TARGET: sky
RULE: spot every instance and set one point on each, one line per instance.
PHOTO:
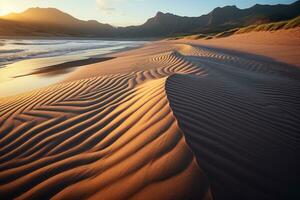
(128, 12)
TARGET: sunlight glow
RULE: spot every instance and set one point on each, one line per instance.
(10, 6)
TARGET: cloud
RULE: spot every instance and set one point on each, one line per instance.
(110, 6)
(105, 6)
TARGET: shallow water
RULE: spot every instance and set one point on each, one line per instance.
(21, 57)
(12, 51)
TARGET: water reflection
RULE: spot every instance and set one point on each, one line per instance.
(29, 74)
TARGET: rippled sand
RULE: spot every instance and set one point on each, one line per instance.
(172, 120)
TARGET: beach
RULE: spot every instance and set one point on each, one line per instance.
(173, 119)
(50, 60)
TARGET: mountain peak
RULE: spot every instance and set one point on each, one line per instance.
(161, 17)
(225, 9)
(42, 15)
(224, 14)
(43, 11)
(159, 13)
(33, 9)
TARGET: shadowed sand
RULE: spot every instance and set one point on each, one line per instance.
(167, 121)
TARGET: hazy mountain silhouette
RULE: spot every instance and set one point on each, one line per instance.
(52, 22)
(220, 19)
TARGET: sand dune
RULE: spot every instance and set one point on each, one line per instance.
(107, 137)
(280, 46)
(168, 121)
(242, 121)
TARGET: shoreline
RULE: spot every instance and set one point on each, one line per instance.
(78, 38)
(35, 78)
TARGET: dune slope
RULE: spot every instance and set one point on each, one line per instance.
(281, 45)
(105, 137)
(242, 121)
(168, 121)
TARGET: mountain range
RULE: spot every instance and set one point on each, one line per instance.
(53, 22)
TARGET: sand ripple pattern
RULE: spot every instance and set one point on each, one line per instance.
(107, 137)
(243, 123)
(197, 124)
(237, 61)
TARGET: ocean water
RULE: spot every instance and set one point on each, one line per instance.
(12, 51)
(19, 58)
